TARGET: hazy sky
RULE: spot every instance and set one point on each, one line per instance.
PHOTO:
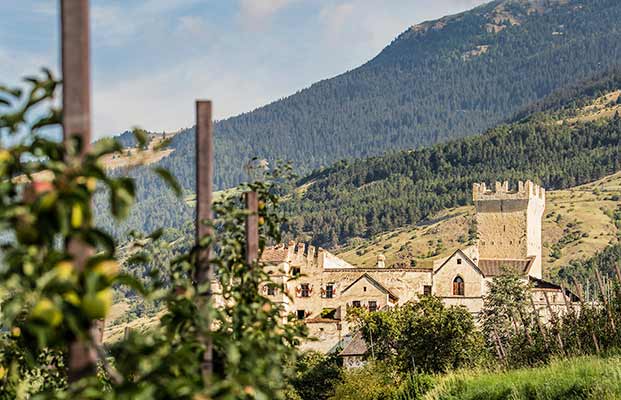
(152, 58)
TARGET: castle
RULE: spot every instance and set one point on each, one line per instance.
(318, 287)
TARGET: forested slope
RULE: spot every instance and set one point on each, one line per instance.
(364, 197)
(437, 81)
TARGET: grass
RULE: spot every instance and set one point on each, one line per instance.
(577, 378)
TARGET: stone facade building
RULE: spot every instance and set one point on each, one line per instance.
(318, 287)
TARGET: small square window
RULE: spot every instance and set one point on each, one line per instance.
(355, 303)
(459, 261)
(271, 290)
(372, 305)
(301, 314)
(427, 290)
(295, 271)
(364, 289)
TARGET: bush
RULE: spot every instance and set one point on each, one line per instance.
(316, 375)
(379, 381)
(424, 336)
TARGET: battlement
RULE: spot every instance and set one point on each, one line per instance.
(525, 191)
(300, 255)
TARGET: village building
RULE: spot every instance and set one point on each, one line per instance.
(318, 288)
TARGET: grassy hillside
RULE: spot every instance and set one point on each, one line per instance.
(578, 223)
(574, 379)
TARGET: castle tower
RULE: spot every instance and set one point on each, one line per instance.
(509, 222)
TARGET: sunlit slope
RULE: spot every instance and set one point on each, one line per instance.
(578, 222)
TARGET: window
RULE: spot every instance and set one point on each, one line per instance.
(458, 286)
(427, 290)
(271, 290)
(301, 314)
(305, 290)
(459, 261)
(364, 289)
(295, 271)
(355, 303)
(372, 305)
(329, 290)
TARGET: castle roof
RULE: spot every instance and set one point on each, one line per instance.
(496, 267)
(545, 285)
(276, 254)
(356, 347)
(375, 283)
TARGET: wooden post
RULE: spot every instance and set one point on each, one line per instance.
(602, 290)
(252, 228)
(204, 184)
(582, 307)
(554, 321)
(526, 327)
(538, 319)
(567, 304)
(618, 271)
(76, 71)
(204, 194)
(75, 50)
(500, 348)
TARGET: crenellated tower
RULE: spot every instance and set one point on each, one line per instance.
(509, 222)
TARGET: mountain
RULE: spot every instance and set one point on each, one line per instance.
(572, 144)
(437, 81)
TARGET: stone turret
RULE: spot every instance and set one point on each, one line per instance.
(509, 222)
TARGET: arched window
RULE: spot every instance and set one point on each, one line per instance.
(458, 286)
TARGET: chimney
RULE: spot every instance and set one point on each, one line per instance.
(381, 261)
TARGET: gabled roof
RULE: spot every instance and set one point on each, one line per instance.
(496, 267)
(465, 257)
(356, 347)
(375, 283)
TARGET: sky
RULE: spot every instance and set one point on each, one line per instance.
(151, 59)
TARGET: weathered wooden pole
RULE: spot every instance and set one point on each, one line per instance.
(538, 319)
(252, 228)
(554, 321)
(204, 195)
(567, 305)
(75, 51)
(602, 290)
(76, 71)
(500, 348)
(582, 310)
(526, 327)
